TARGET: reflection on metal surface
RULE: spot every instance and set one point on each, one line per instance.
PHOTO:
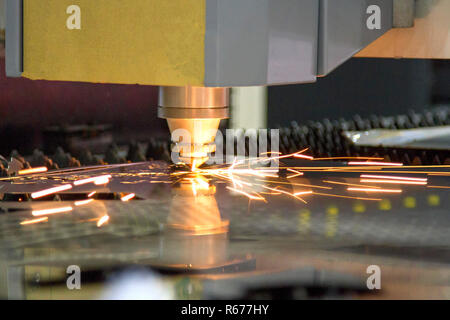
(184, 221)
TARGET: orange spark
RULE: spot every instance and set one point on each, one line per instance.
(47, 212)
(91, 194)
(102, 220)
(27, 222)
(101, 181)
(347, 158)
(285, 192)
(128, 197)
(373, 163)
(394, 181)
(50, 191)
(296, 184)
(33, 170)
(297, 173)
(349, 184)
(375, 190)
(393, 177)
(83, 202)
(303, 157)
(346, 197)
(96, 180)
(303, 193)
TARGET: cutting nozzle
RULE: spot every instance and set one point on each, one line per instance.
(193, 115)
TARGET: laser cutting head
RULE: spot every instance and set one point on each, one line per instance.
(193, 115)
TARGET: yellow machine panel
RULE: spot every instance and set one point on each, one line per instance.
(96, 41)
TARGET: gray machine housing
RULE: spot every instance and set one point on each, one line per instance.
(261, 42)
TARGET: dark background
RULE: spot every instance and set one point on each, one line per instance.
(364, 87)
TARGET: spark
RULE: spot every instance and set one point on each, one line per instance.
(303, 157)
(297, 173)
(33, 170)
(83, 202)
(285, 192)
(349, 184)
(128, 197)
(96, 180)
(393, 177)
(102, 220)
(91, 194)
(375, 190)
(394, 181)
(28, 222)
(101, 181)
(373, 163)
(280, 156)
(47, 212)
(50, 191)
(346, 158)
(303, 193)
(270, 152)
(296, 184)
(346, 197)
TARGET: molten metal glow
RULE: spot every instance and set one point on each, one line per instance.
(50, 191)
(47, 212)
(33, 170)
